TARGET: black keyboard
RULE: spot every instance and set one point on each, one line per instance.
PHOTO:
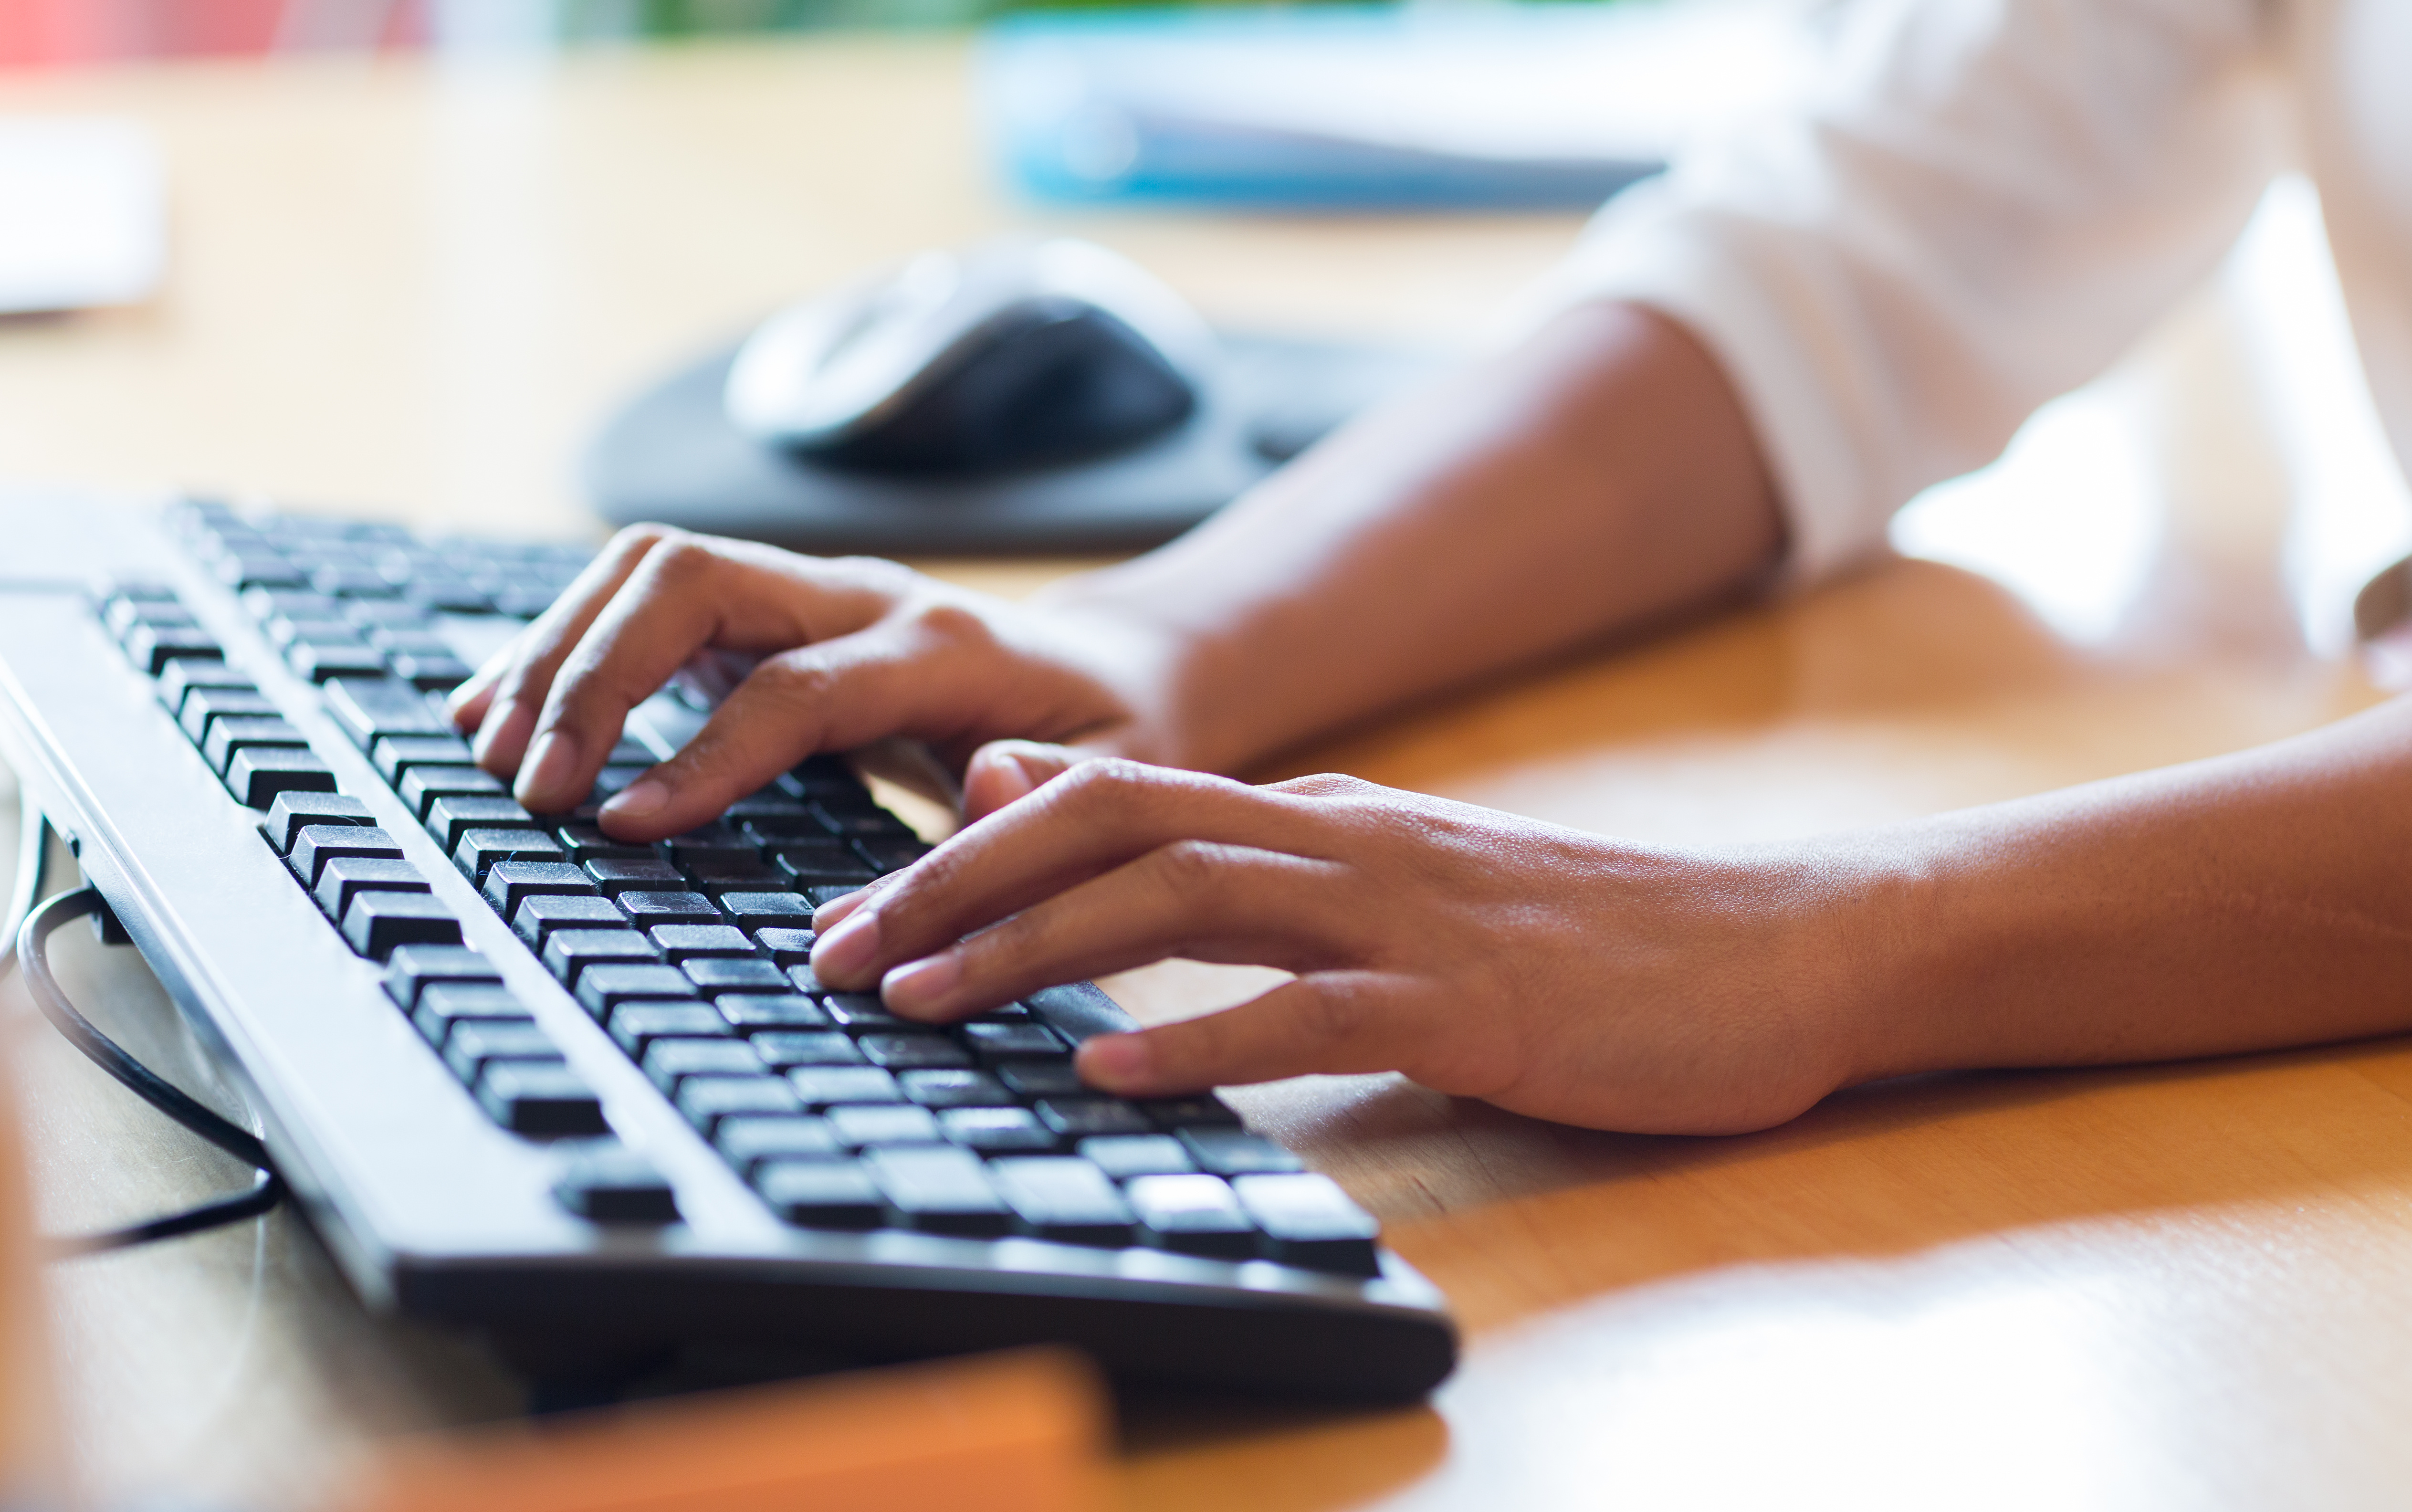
(587, 1096)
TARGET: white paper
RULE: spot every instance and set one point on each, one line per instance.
(82, 214)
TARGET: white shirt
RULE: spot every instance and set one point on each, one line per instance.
(1988, 200)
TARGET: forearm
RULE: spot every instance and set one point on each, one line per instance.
(1599, 476)
(2249, 901)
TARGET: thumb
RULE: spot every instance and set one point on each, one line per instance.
(1003, 771)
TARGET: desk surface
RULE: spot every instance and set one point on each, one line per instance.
(2183, 1285)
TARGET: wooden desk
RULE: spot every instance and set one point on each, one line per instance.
(2173, 1286)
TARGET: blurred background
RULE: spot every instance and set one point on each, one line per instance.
(55, 32)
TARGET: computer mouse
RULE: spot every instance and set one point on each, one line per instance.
(1010, 354)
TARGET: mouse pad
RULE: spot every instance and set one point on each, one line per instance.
(671, 456)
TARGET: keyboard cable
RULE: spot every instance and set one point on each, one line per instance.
(27, 944)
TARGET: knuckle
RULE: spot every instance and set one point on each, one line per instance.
(679, 562)
(951, 623)
(1329, 1012)
(1192, 870)
(795, 679)
(1329, 785)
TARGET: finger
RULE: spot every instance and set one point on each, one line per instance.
(686, 595)
(501, 701)
(1094, 818)
(1205, 901)
(833, 695)
(1332, 1022)
(1005, 772)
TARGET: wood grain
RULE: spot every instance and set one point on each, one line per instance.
(2174, 1286)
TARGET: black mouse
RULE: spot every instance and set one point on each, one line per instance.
(1013, 355)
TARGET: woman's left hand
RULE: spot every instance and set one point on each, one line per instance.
(1550, 972)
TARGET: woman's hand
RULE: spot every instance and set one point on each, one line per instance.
(852, 651)
(1547, 970)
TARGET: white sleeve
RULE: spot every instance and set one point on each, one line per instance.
(1981, 206)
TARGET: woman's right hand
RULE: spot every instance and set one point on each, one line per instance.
(852, 650)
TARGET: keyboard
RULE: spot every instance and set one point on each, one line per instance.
(586, 1098)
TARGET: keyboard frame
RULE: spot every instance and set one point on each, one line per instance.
(434, 1211)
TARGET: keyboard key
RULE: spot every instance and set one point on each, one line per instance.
(343, 877)
(704, 1101)
(821, 866)
(1192, 1215)
(819, 1194)
(1077, 1118)
(368, 706)
(478, 850)
(937, 1188)
(259, 773)
(318, 660)
(821, 897)
(996, 1131)
(954, 1089)
(614, 1184)
(437, 671)
(1123, 1156)
(1207, 1111)
(1236, 1153)
(637, 1025)
(536, 918)
(605, 986)
(421, 785)
(616, 876)
(1041, 1079)
(449, 818)
(859, 1126)
(570, 952)
(786, 1050)
(824, 1086)
(121, 614)
(182, 679)
(151, 647)
(206, 704)
(397, 753)
(1308, 1221)
(586, 843)
(293, 811)
(748, 1012)
(613, 780)
(647, 910)
(884, 856)
(316, 845)
(540, 1097)
(258, 569)
(682, 943)
(914, 1052)
(786, 947)
(755, 910)
(443, 1007)
(231, 733)
(1064, 1199)
(708, 842)
(718, 974)
(351, 582)
(414, 968)
(861, 1011)
(377, 922)
(1012, 1041)
(734, 874)
(511, 883)
(671, 1060)
(325, 626)
(472, 1045)
(801, 978)
(744, 1140)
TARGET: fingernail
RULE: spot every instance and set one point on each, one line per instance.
(922, 986)
(845, 950)
(489, 729)
(828, 915)
(1114, 1060)
(644, 796)
(548, 766)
